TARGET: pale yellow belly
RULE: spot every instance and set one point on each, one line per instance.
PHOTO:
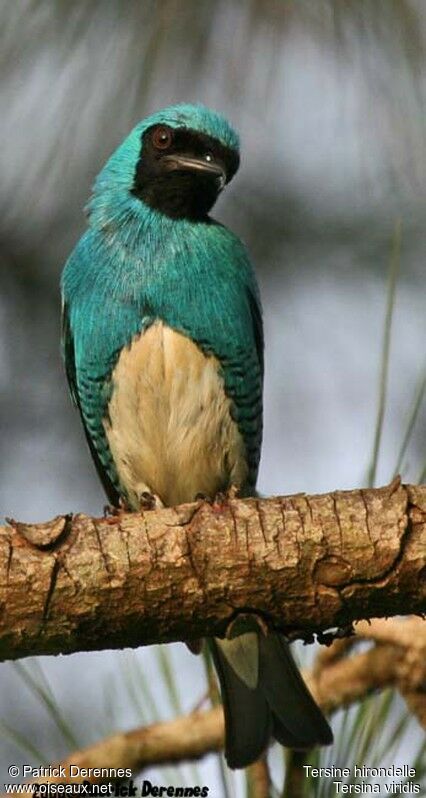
(169, 425)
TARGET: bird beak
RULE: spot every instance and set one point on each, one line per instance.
(186, 163)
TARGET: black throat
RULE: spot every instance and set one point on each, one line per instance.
(181, 194)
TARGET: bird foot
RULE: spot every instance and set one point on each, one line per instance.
(111, 510)
(224, 497)
(150, 501)
(203, 497)
(221, 497)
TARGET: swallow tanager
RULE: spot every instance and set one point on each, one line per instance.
(163, 348)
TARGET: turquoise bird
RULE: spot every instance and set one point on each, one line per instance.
(163, 348)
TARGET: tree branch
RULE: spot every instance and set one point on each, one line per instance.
(337, 682)
(304, 563)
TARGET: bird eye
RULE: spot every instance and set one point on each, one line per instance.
(208, 157)
(162, 137)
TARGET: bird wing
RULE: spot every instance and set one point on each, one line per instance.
(243, 366)
(256, 315)
(68, 355)
(100, 316)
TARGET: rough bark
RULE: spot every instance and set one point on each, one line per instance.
(303, 563)
(182, 739)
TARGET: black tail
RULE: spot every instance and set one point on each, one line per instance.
(280, 706)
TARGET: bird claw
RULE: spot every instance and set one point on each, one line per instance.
(220, 499)
(150, 501)
(203, 497)
(224, 497)
(111, 510)
(233, 492)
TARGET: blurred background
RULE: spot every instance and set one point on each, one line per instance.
(329, 98)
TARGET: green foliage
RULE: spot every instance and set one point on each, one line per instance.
(375, 731)
(372, 734)
(33, 677)
(384, 366)
(411, 422)
(22, 742)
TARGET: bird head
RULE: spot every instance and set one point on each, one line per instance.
(176, 161)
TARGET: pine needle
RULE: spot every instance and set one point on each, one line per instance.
(166, 668)
(23, 743)
(384, 365)
(33, 677)
(417, 403)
